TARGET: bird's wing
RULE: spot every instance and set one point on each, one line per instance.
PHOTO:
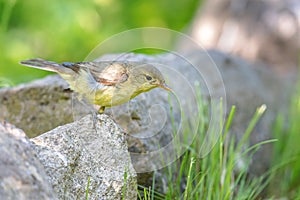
(106, 73)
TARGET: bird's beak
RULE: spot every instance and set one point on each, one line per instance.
(165, 86)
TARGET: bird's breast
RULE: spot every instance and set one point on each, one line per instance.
(112, 96)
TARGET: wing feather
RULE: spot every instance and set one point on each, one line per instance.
(106, 73)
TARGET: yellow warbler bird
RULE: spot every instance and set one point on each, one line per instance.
(105, 83)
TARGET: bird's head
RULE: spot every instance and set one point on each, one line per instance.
(148, 77)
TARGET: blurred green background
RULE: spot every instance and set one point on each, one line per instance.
(68, 30)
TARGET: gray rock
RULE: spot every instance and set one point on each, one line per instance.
(90, 150)
(37, 107)
(22, 176)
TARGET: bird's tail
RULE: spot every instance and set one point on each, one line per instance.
(46, 65)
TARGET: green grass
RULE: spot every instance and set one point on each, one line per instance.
(213, 176)
(87, 188)
(285, 181)
(217, 176)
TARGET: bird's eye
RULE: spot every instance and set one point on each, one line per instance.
(149, 78)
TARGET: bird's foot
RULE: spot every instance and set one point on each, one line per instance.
(101, 110)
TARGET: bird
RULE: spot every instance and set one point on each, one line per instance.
(105, 83)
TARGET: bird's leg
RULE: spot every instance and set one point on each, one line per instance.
(101, 110)
(96, 117)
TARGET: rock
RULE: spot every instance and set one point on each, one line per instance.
(37, 107)
(89, 150)
(22, 176)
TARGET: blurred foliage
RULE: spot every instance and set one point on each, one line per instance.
(69, 30)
